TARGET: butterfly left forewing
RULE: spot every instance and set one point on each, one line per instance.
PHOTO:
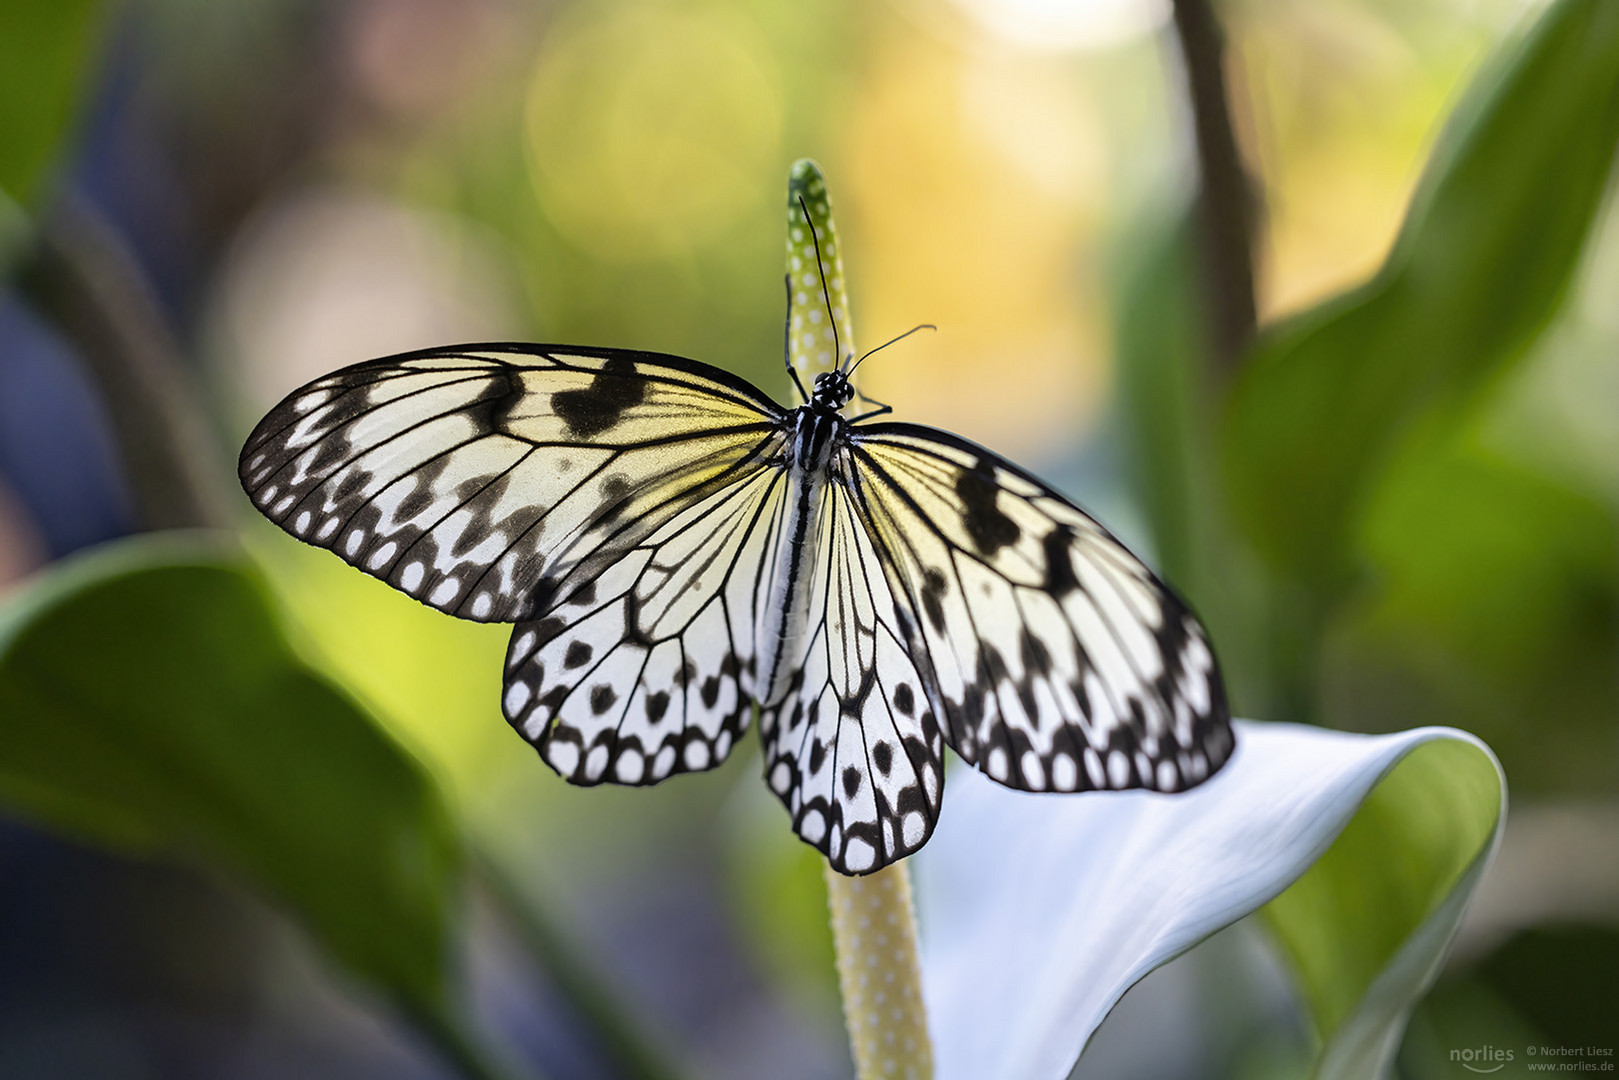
(1059, 661)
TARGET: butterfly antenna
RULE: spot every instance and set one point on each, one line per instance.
(826, 293)
(787, 339)
(886, 344)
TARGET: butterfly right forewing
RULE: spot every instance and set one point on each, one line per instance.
(1058, 660)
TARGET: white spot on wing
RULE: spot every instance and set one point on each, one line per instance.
(1118, 769)
(859, 855)
(563, 757)
(697, 756)
(631, 767)
(517, 695)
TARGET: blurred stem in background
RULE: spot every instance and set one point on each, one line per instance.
(1227, 200)
(78, 275)
(636, 1054)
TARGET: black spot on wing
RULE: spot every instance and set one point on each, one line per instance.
(1034, 654)
(986, 523)
(599, 406)
(851, 781)
(615, 491)
(933, 589)
(1057, 548)
(904, 700)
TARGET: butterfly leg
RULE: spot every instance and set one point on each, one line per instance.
(880, 410)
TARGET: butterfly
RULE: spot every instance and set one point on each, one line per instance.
(681, 554)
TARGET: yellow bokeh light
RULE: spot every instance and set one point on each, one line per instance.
(978, 222)
(649, 128)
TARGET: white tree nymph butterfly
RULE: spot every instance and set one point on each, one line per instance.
(678, 551)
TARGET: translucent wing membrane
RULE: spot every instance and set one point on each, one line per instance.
(468, 477)
(854, 751)
(1056, 659)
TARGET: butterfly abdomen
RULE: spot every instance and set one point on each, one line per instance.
(807, 459)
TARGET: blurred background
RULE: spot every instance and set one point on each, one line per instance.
(288, 186)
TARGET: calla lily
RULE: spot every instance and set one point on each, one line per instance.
(1038, 913)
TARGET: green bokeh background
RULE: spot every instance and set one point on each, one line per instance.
(1401, 509)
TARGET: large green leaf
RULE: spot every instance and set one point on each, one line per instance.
(45, 51)
(1479, 269)
(149, 701)
(1164, 386)
(1494, 602)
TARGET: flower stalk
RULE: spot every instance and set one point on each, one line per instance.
(873, 919)
(874, 929)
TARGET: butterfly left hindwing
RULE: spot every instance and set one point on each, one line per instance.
(642, 667)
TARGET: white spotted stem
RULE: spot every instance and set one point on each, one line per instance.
(874, 928)
(873, 922)
(810, 333)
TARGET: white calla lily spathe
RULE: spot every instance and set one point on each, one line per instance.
(1039, 912)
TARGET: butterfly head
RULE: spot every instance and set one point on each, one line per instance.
(832, 390)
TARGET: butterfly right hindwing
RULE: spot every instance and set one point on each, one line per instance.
(854, 751)
(1059, 661)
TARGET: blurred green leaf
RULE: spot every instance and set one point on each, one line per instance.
(1559, 979)
(1161, 381)
(1494, 602)
(1354, 925)
(1481, 265)
(46, 49)
(1164, 388)
(149, 701)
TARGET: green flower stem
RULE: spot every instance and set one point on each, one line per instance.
(810, 333)
(874, 928)
(873, 923)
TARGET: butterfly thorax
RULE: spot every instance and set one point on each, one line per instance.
(815, 433)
